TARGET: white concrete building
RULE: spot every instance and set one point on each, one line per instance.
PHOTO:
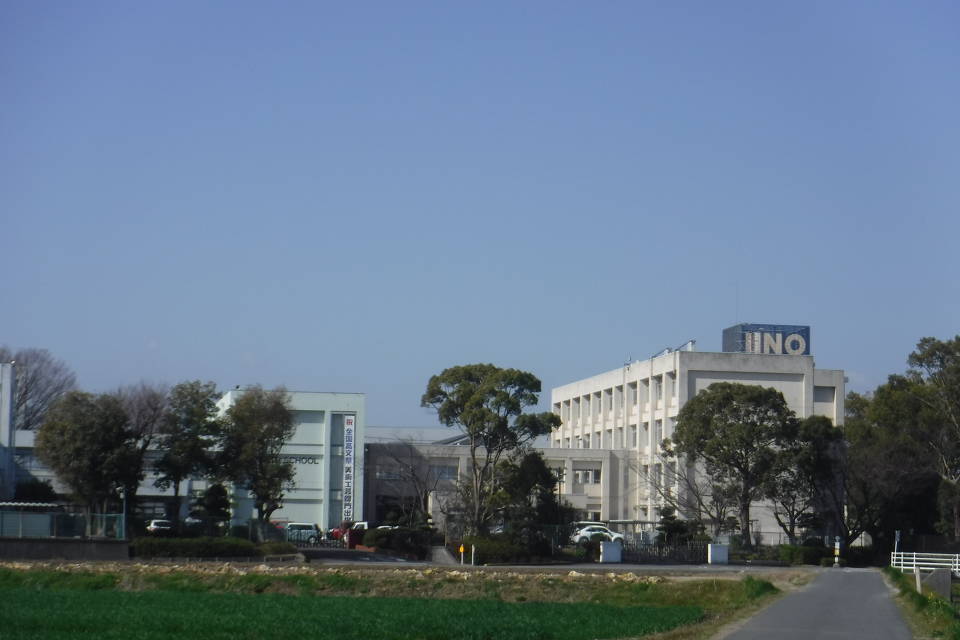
(328, 456)
(326, 449)
(613, 424)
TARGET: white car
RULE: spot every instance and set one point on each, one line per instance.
(160, 527)
(585, 534)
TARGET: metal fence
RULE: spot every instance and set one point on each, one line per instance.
(26, 524)
(914, 562)
(693, 553)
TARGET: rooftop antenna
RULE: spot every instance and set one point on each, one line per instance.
(736, 304)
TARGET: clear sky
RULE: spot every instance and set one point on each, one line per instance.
(355, 196)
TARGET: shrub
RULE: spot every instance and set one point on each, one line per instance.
(494, 549)
(414, 542)
(859, 556)
(794, 555)
(193, 548)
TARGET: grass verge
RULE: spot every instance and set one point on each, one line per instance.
(929, 615)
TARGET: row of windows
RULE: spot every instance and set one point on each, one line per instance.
(611, 400)
(617, 438)
(580, 476)
(435, 472)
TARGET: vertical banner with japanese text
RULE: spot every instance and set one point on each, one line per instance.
(348, 448)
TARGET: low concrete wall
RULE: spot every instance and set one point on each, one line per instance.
(63, 549)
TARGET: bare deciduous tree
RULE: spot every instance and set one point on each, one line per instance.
(688, 491)
(41, 380)
(415, 478)
(145, 405)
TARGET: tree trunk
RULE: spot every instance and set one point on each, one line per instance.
(744, 509)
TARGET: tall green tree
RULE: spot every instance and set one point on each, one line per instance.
(252, 434)
(487, 404)
(736, 431)
(528, 493)
(888, 480)
(935, 384)
(87, 442)
(187, 435)
(807, 466)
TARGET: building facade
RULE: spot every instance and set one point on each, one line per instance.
(326, 450)
(620, 417)
(328, 458)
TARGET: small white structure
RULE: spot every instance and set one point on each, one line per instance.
(718, 554)
(8, 390)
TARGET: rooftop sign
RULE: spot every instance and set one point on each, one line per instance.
(776, 339)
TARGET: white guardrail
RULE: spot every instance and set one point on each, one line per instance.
(913, 562)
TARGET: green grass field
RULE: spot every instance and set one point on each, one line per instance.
(158, 614)
(220, 601)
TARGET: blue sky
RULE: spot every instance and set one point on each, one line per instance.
(353, 198)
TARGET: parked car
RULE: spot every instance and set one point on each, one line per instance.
(302, 532)
(585, 534)
(159, 527)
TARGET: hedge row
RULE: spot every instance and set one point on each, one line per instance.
(805, 554)
(794, 554)
(493, 550)
(146, 547)
(413, 542)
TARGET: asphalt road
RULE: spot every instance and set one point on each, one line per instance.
(840, 604)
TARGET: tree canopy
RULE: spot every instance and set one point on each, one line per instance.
(87, 441)
(252, 434)
(187, 435)
(736, 431)
(487, 404)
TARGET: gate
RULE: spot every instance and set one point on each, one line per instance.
(692, 553)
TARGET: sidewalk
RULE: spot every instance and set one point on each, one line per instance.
(441, 555)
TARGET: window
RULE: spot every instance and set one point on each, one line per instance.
(387, 472)
(444, 471)
(633, 435)
(596, 476)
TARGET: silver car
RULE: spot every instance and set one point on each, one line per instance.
(302, 532)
